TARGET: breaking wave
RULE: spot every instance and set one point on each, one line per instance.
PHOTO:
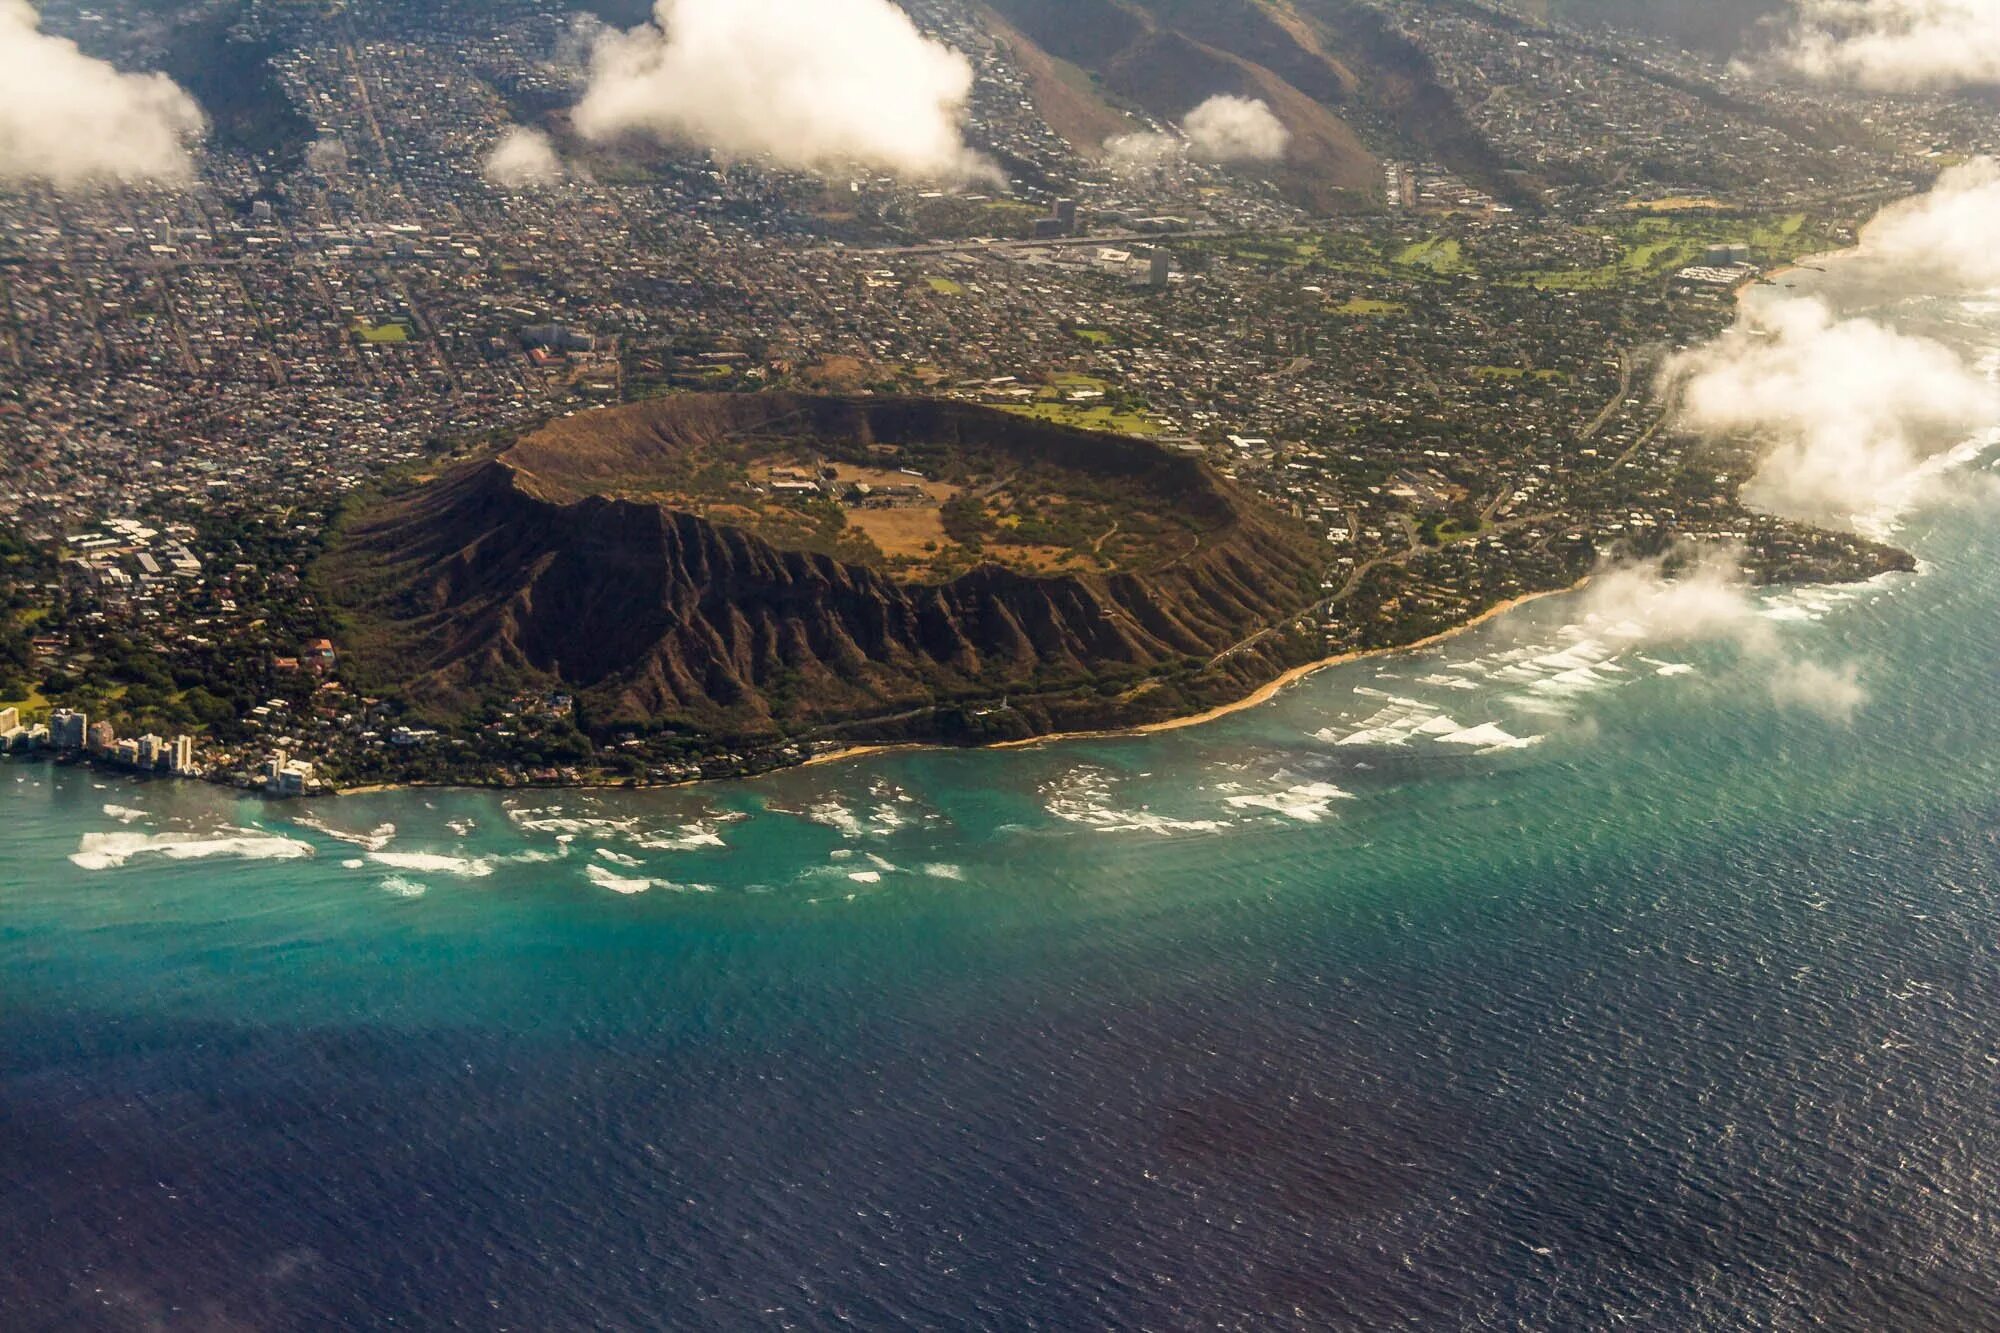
(104, 851)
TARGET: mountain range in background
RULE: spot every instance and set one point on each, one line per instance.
(1347, 85)
(1351, 89)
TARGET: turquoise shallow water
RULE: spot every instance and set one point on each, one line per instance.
(1683, 1014)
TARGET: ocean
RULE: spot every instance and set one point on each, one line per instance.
(1553, 978)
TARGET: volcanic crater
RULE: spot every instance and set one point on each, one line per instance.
(744, 567)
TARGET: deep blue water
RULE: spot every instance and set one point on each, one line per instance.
(1685, 1017)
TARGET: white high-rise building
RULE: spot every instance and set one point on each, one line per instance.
(68, 729)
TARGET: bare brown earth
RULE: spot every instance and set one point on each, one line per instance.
(901, 532)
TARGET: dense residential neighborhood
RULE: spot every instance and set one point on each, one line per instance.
(1456, 390)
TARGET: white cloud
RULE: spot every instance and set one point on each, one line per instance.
(1896, 45)
(1236, 129)
(809, 83)
(1222, 129)
(1835, 693)
(1949, 237)
(522, 158)
(1705, 599)
(1849, 408)
(74, 121)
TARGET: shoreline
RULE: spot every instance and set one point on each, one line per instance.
(1815, 263)
(1270, 690)
(1263, 694)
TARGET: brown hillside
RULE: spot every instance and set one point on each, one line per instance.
(1336, 71)
(1325, 165)
(1061, 91)
(1165, 63)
